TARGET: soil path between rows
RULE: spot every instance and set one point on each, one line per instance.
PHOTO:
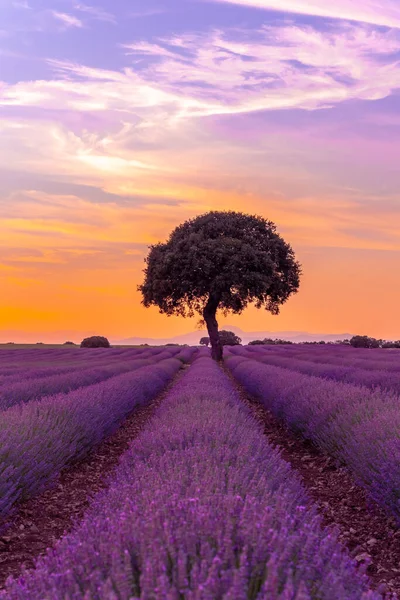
(370, 535)
(39, 522)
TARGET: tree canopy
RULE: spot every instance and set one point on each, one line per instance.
(364, 341)
(220, 261)
(96, 341)
(229, 338)
(269, 342)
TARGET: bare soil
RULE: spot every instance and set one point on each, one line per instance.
(39, 522)
(370, 535)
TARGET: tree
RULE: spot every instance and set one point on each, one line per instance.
(363, 341)
(205, 341)
(220, 261)
(96, 341)
(228, 338)
(69, 343)
(275, 342)
(389, 344)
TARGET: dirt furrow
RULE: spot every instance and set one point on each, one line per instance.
(39, 522)
(371, 536)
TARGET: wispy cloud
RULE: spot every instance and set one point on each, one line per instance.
(67, 19)
(273, 68)
(226, 73)
(151, 12)
(96, 12)
(382, 13)
(98, 124)
(20, 4)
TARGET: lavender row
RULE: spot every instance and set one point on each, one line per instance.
(386, 380)
(27, 390)
(55, 358)
(39, 370)
(11, 357)
(200, 508)
(38, 439)
(359, 427)
(52, 366)
(36, 384)
(338, 355)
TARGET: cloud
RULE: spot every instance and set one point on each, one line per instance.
(130, 131)
(21, 4)
(216, 73)
(67, 19)
(70, 220)
(276, 67)
(384, 13)
(88, 157)
(147, 13)
(96, 12)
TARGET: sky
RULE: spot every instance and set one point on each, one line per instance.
(119, 120)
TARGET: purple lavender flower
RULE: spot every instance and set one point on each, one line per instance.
(200, 508)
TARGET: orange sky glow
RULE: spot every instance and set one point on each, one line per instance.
(291, 115)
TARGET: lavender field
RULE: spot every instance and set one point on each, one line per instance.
(202, 505)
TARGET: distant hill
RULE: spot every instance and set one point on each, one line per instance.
(193, 338)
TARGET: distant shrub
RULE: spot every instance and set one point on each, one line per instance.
(39, 344)
(395, 344)
(364, 341)
(96, 341)
(269, 342)
(69, 344)
(228, 338)
(171, 344)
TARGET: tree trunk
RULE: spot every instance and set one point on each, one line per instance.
(209, 314)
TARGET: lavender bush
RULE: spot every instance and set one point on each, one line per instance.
(26, 390)
(358, 426)
(38, 439)
(372, 378)
(60, 362)
(200, 508)
(338, 355)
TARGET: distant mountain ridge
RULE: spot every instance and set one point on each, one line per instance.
(193, 338)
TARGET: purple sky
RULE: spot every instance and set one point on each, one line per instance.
(118, 121)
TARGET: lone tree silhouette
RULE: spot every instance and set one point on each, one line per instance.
(220, 261)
